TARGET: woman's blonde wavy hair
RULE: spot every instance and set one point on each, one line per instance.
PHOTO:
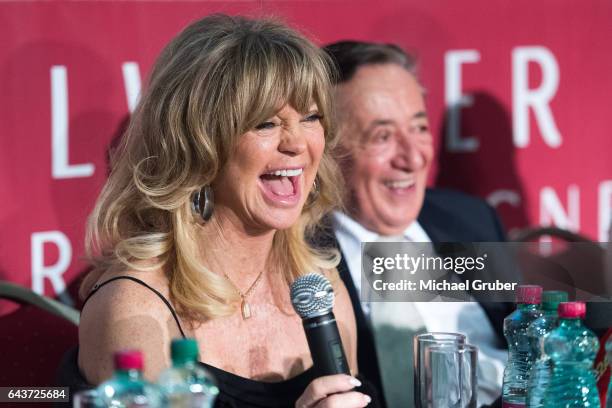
(216, 80)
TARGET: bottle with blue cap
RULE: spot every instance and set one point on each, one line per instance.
(186, 384)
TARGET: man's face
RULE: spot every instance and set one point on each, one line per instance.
(384, 129)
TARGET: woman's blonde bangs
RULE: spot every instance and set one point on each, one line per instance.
(272, 74)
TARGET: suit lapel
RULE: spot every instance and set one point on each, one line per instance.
(435, 223)
(441, 226)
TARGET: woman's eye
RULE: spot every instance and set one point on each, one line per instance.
(315, 117)
(265, 125)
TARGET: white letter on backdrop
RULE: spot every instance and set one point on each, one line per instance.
(553, 213)
(455, 100)
(605, 210)
(60, 167)
(54, 272)
(538, 99)
(131, 81)
(498, 197)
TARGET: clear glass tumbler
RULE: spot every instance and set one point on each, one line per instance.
(450, 376)
(420, 343)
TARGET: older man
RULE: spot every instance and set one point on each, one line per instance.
(387, 151)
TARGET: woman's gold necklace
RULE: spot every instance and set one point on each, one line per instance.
(245, 308)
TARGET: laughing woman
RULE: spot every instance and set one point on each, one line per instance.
(223, 172)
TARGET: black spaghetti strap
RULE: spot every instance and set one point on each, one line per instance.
(99, 285)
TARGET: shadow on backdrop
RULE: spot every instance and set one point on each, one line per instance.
(489, 171)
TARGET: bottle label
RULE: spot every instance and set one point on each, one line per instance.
(512, 405)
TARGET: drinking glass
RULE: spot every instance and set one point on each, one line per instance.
(450, 376)
(420, 343)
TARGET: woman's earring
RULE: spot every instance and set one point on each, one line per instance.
(202, 203)
(314, 193)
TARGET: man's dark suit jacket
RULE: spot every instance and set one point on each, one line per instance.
(446, 216)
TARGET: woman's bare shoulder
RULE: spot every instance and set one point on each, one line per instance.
(122, 298)
(124, 314)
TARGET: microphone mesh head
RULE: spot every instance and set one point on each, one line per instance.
(312, 295)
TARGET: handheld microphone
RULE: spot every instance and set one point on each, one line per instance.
(312, 297)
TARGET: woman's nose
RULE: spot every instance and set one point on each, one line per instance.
(292, 141)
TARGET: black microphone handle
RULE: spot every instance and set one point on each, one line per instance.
(325, 345)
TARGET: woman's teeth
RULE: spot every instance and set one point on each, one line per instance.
(286, 172)
(282, 183)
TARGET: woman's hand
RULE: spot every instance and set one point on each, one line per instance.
(333, 391)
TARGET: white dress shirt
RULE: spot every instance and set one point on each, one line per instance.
(458, 317)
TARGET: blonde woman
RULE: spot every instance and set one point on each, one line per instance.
(204, 220)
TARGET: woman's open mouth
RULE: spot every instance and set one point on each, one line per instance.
(281, 186)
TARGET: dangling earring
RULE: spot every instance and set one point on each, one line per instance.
(314, 193)
(202, 203)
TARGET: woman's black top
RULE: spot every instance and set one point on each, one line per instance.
(235, 391)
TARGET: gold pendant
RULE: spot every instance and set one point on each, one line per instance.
(246, 310)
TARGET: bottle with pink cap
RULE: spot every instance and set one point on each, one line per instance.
(521, 354)
(572, 348)
(128, 388)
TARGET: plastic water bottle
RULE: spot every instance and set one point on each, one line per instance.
(520, 353)
(572, 348)
(128, 388)
(536, 332)
(186, 384)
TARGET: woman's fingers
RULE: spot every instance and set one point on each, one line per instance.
(352, 399)
(332, 389)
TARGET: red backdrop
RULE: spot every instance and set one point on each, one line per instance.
(518, 96)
